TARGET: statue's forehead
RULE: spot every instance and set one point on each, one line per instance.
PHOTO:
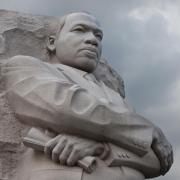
(81, 18)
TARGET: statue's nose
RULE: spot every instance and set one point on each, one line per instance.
(91, 39)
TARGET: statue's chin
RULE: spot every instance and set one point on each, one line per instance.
(87, 64)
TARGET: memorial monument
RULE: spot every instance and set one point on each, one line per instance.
(75, 118)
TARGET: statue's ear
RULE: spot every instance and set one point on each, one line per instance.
(51, 44)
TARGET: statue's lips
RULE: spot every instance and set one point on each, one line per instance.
(90, 52)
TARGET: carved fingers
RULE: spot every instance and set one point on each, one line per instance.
(165, 155)
(163, 150)
(67, 150)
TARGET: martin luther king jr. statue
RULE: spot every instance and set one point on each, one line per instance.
(78, 115)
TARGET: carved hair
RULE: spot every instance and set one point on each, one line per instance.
(62, 20)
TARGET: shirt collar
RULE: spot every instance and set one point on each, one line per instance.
(82, 73)
(86, 75)
(62, 66)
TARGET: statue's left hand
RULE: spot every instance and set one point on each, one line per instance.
(163, 150)
(68, 149)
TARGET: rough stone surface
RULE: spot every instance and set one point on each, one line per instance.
(25, 34)
(111, 78)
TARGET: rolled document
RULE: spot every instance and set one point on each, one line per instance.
(36, 139)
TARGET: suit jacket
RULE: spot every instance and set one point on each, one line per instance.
(65, 99)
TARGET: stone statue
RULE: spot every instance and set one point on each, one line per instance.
(77, 115)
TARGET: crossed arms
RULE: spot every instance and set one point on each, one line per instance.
(42, 97)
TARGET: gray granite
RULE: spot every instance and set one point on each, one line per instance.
(25, 34)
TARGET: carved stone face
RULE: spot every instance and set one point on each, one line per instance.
(79, 42)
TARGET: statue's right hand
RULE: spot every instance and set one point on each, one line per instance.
(68, 149)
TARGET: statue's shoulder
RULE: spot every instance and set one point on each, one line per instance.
(21, 60)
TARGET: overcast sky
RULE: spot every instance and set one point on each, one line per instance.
(142, 42)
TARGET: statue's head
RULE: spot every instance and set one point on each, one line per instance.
(78, 41)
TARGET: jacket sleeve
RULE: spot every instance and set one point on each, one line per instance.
(42, 97)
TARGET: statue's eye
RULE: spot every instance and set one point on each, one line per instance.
(79, 29)
(99, 36)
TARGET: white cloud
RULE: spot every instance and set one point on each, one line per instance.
(169, 11)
